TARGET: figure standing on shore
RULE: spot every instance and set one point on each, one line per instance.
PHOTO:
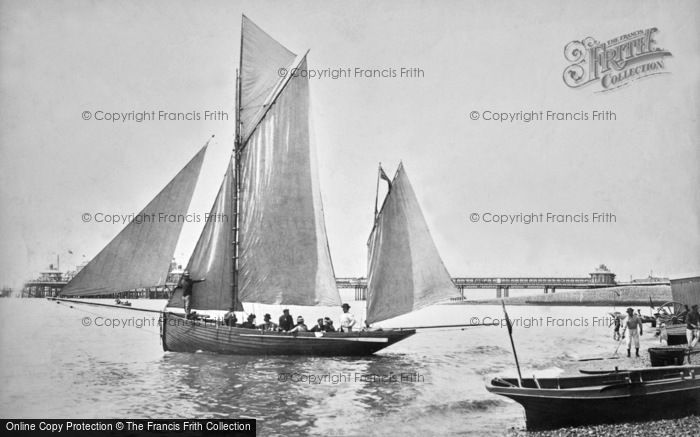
(616, 333)
(663, 335)
(692, 331)
(633, 323)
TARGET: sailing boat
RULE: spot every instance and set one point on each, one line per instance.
(280, 253)
(274, 249)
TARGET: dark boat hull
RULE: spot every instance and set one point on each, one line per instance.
(612, 398)
(181, 335)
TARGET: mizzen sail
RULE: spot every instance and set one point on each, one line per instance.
(140, 254)
(406, 272)
(212, 258)
(283, 247)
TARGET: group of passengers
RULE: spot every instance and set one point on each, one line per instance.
(286, 322)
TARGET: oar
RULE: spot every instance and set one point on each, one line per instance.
(619, 342)
(510, 334)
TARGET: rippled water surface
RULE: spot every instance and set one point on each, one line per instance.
(52, 366)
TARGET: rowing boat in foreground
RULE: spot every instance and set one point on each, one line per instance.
(623, 396)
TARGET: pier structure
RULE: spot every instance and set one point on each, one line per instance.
(602, 277)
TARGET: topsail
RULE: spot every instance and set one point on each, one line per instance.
(139, 256)
(264, 63)
(405, 269)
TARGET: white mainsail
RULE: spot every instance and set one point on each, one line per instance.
(405, 270)
(139, 256)
(284, 255)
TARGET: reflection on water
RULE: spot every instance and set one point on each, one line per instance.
(52, 365)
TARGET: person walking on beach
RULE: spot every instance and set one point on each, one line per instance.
(633, 322)
(692, 328)
(616, 332)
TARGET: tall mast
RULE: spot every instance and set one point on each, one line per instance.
(234, 206)
(237, 146)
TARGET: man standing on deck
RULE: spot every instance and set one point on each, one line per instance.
(692, 328)
(186, 284)
(347, 320)
(633, 322)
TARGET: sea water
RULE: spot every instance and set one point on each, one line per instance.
(78, 361)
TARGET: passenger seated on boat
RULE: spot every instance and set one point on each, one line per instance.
(328, 325)
(250, 323)
(300, 326)
(230, 318)
(268, 324)
(286, 321)
(117, 301)
(319, 326)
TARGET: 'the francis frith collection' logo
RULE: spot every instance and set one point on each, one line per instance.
(616, 62)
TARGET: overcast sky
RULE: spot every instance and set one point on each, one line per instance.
(60, 59)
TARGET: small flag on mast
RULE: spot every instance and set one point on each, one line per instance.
(384, 176)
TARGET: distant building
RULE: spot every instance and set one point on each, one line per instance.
(48, 284)
(174, 275)
(602, 275)
(686, 290)
(651, 279)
